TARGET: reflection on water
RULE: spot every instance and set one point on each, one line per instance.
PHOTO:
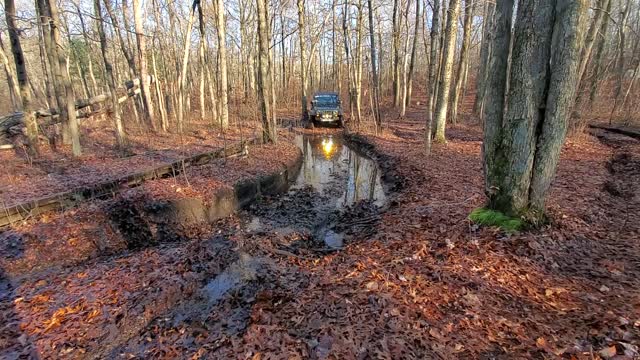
(331, 167)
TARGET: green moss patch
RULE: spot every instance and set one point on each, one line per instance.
(487, 217)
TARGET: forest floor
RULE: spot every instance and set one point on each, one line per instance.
(414, 280)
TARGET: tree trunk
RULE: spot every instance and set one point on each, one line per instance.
(498, 38)
(433, 66)
(358, 65)
(414, 50)
(14, 89)
(58, 63)
(522, 152)
(182, 79)
(111, 80)
(405, 64)
(22, 77)
(269, 131)
(485, 53)
(222, 63)
(464, 59)
(303, 59)
(593, 91)
(396, 54)
(374, 70)
(447, 68)
(142, 61)
(620, 62)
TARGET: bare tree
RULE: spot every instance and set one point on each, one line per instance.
(222, 64)
(111, 80)
(374, 70)
(464, 59)
(269, 131)
(396, 53)
(485, 53)
(9, 71)
(447, 69)
(22, 77)
(433, 60)
(50, 23)
(303, 57)
(414, 50)
(145, 83)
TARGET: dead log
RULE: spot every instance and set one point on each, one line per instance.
(628, 131)
(11, 125)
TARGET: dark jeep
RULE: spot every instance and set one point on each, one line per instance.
(326, 108)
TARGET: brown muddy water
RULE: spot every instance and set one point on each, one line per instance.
(333, 179)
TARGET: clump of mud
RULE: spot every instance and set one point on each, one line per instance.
(624, 167)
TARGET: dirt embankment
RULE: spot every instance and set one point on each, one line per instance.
(86, 279)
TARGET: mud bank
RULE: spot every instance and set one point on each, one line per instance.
(158, 211)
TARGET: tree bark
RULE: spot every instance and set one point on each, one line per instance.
(499, 39)
(485, 53)
(303, 60)
(464, 59)
(396, 54)
(414, 50)
(182, 79)
(374, 71)
(63, 86)
(14, 89)
(142, 61)
(111, 80)
(433, 68)
(22, 77)
(522, 152)
(447, 68)
(222, 63)
(269, 131)
(593, 91)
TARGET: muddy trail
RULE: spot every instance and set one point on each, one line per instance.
(337, 198)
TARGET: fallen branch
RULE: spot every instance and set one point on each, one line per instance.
(619, 130)
(12, 124)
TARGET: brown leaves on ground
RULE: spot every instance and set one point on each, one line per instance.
(427, 284)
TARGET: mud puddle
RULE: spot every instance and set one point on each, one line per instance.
(337, 196)
(334, 183)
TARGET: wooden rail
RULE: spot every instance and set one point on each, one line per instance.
(634, 133)
(73, 197)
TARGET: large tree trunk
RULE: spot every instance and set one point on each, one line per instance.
(433, 68)
(499, 39)
(269, 131)
(58, 62)
(222, 63)
(522, 152)
(21, 76)
(464, 59)
(447, 69)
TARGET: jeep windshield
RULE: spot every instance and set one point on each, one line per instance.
(326, 100)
